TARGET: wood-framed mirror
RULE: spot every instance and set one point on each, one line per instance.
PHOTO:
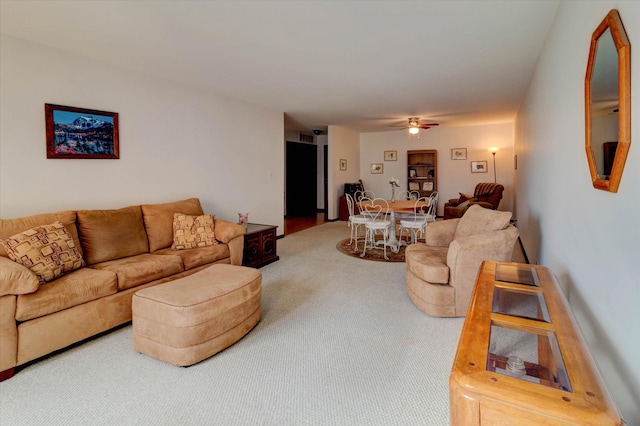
(608, 103)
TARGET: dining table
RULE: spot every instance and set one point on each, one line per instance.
(396, 208)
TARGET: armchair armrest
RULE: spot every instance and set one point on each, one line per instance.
(465, 255)
(453, 202)
(16, 279)
(440, 233)
(482, 204)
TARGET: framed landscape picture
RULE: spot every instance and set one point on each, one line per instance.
(81, 133)
(479, 167)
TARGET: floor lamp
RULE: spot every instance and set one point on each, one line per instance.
(493, 151)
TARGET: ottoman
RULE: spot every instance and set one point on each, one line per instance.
(187, 320)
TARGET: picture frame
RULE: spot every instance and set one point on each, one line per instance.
(414, 186)
(73, 132)
(458, 153)
(343, 164)
(427, 186)
(391, 156)
(377, 168)
(413, 173)
(479, 167)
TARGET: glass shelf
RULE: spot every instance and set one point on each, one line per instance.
(520, 303)
(527, 356)
(517, 274)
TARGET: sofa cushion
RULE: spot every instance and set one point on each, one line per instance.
(9, 227)
(428, 263)
(48, 251)
(158, 220)
(111, 234)
(191, 231)
(136, 270)
(16, 279)
(478, 220)
(192, 258)
(70, 290)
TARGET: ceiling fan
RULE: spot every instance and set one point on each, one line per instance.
(414, 125)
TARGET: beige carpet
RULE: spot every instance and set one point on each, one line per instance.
(340, 343)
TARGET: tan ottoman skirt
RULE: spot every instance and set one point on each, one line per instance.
(187, 320)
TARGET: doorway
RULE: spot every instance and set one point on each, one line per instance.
(301, 181)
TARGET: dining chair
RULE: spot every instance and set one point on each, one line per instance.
(424, 212)
(433, 207)
(376, 210)
(415, 222)
(355, 220)
(405, 194)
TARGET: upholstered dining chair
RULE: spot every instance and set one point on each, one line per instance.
(355, 220)
(377, 211)
(442, 271)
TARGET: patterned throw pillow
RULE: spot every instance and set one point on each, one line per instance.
(48, 251)
(193, 231)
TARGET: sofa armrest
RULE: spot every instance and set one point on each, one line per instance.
(226, 231)
(453, 202)
(8, 336)
(236, 250)
(16, 279)
(440, 233)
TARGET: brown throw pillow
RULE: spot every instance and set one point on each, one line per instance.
(193, 231)
(48, 251)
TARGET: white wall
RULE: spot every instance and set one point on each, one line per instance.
(589, 238)
(343, 144)
(454, 176)
(175, 142)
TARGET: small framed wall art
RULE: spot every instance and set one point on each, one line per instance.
(343, 164)
(413, 173)
(377, 169)
(81, 133)
(391, 156)
(479, 167)
(458, 153)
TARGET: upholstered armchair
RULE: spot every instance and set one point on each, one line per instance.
(441, 273)
(486, 194)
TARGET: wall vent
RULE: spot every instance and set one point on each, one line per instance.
(305, 137)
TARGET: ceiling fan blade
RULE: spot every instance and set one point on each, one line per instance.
(428, 126)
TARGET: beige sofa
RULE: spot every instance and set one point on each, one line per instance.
(441, 273)
(123, 251)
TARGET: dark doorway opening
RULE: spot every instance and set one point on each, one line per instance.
(302, 177)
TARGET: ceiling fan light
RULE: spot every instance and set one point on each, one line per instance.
(414, 130)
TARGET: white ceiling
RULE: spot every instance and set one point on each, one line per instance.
(361, 64)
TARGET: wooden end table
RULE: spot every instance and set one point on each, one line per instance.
(259, 245)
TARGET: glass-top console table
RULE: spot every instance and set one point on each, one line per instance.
(521, 358)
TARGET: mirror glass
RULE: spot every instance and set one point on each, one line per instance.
(604, 104)
(607, 103)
